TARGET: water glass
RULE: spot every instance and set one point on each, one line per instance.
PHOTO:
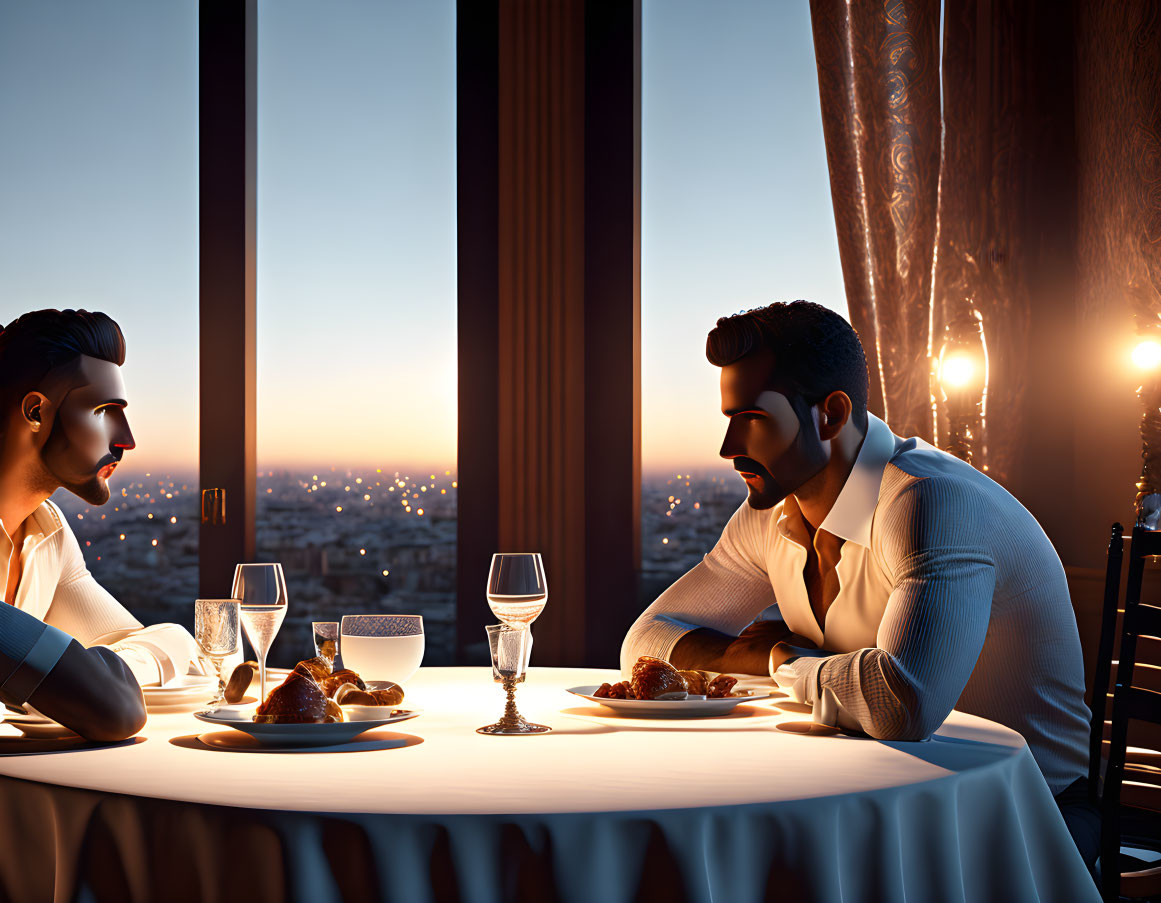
(510, 648)
(216, 632)
(382, 647)
(326, 640)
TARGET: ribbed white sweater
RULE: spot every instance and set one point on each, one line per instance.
(56, 589)
(951, 596)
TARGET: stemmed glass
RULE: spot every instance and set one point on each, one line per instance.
(517, 594)
(216, 632)
(261, 593)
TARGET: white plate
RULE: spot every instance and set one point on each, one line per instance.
(302, 734)
(672, 708)
(187, 686)
(37, 727)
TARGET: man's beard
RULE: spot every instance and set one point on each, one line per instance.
(58, 457)
(793, 469)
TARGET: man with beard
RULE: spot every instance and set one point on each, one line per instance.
(67, 647)
(908, 582)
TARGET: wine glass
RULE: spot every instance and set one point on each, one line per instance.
(261, 593)
(517, 590)
(510, 648)
(216, 632)
(382, 647)
(517, 593)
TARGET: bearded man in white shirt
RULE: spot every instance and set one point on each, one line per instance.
(908, 582)
(67, 647)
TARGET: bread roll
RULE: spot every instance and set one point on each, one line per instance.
(240, 681)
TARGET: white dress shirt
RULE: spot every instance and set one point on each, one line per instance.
(57, 589)
(951, 596)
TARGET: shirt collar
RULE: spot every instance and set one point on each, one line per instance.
(44, 522)
(851, 515)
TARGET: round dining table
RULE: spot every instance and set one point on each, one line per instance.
(757, 804)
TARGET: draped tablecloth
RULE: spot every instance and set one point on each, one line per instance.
(742, 807)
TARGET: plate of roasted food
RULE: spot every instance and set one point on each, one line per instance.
(658, 688)
(315, 706)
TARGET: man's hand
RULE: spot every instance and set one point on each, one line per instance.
(747, 653)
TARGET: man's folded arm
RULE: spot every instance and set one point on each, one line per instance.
(90, 691)
(931, 633)
(696, 619)
(84, 609)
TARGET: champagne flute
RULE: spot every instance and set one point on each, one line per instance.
(216, 632)
(261, 593)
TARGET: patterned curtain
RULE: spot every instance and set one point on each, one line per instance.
(878, 76)
(929, 192)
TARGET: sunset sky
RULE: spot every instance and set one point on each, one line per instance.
(356, 255)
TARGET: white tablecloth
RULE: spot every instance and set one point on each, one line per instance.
(735, 808)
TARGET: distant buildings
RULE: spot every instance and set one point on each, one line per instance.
(353, 542)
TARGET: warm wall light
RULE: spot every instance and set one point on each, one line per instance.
(961, 385)
(1147, 354)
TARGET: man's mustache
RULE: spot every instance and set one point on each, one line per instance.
(111, 458)
(748, 465)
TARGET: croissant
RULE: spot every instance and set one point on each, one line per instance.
(317, 668)
(653, 677)
(349, 694)
(331, 683)
(297, 700)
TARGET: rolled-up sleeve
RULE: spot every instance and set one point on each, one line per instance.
(933, 627)
(29, 649)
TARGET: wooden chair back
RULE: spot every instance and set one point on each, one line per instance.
(1131, 703)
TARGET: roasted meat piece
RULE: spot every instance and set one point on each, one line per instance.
(696, 682)
(620, 690)
(653, 677)
(721, 686)
(298, 700)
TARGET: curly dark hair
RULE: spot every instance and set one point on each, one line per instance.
(35, 344)
(815, 350)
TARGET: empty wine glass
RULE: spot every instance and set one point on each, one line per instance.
(216, 632)
(517, 590)
(510, 650)
(261, 593)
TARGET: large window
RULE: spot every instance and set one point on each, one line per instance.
(98, 210)
(357, 312)
(736, 213)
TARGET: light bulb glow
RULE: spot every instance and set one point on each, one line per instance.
(1147, 355)
(957, 371)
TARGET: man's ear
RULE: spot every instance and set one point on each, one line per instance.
(833, 413)
(35, 409)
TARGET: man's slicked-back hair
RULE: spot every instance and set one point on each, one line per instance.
(34, 345)
(815, 350)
